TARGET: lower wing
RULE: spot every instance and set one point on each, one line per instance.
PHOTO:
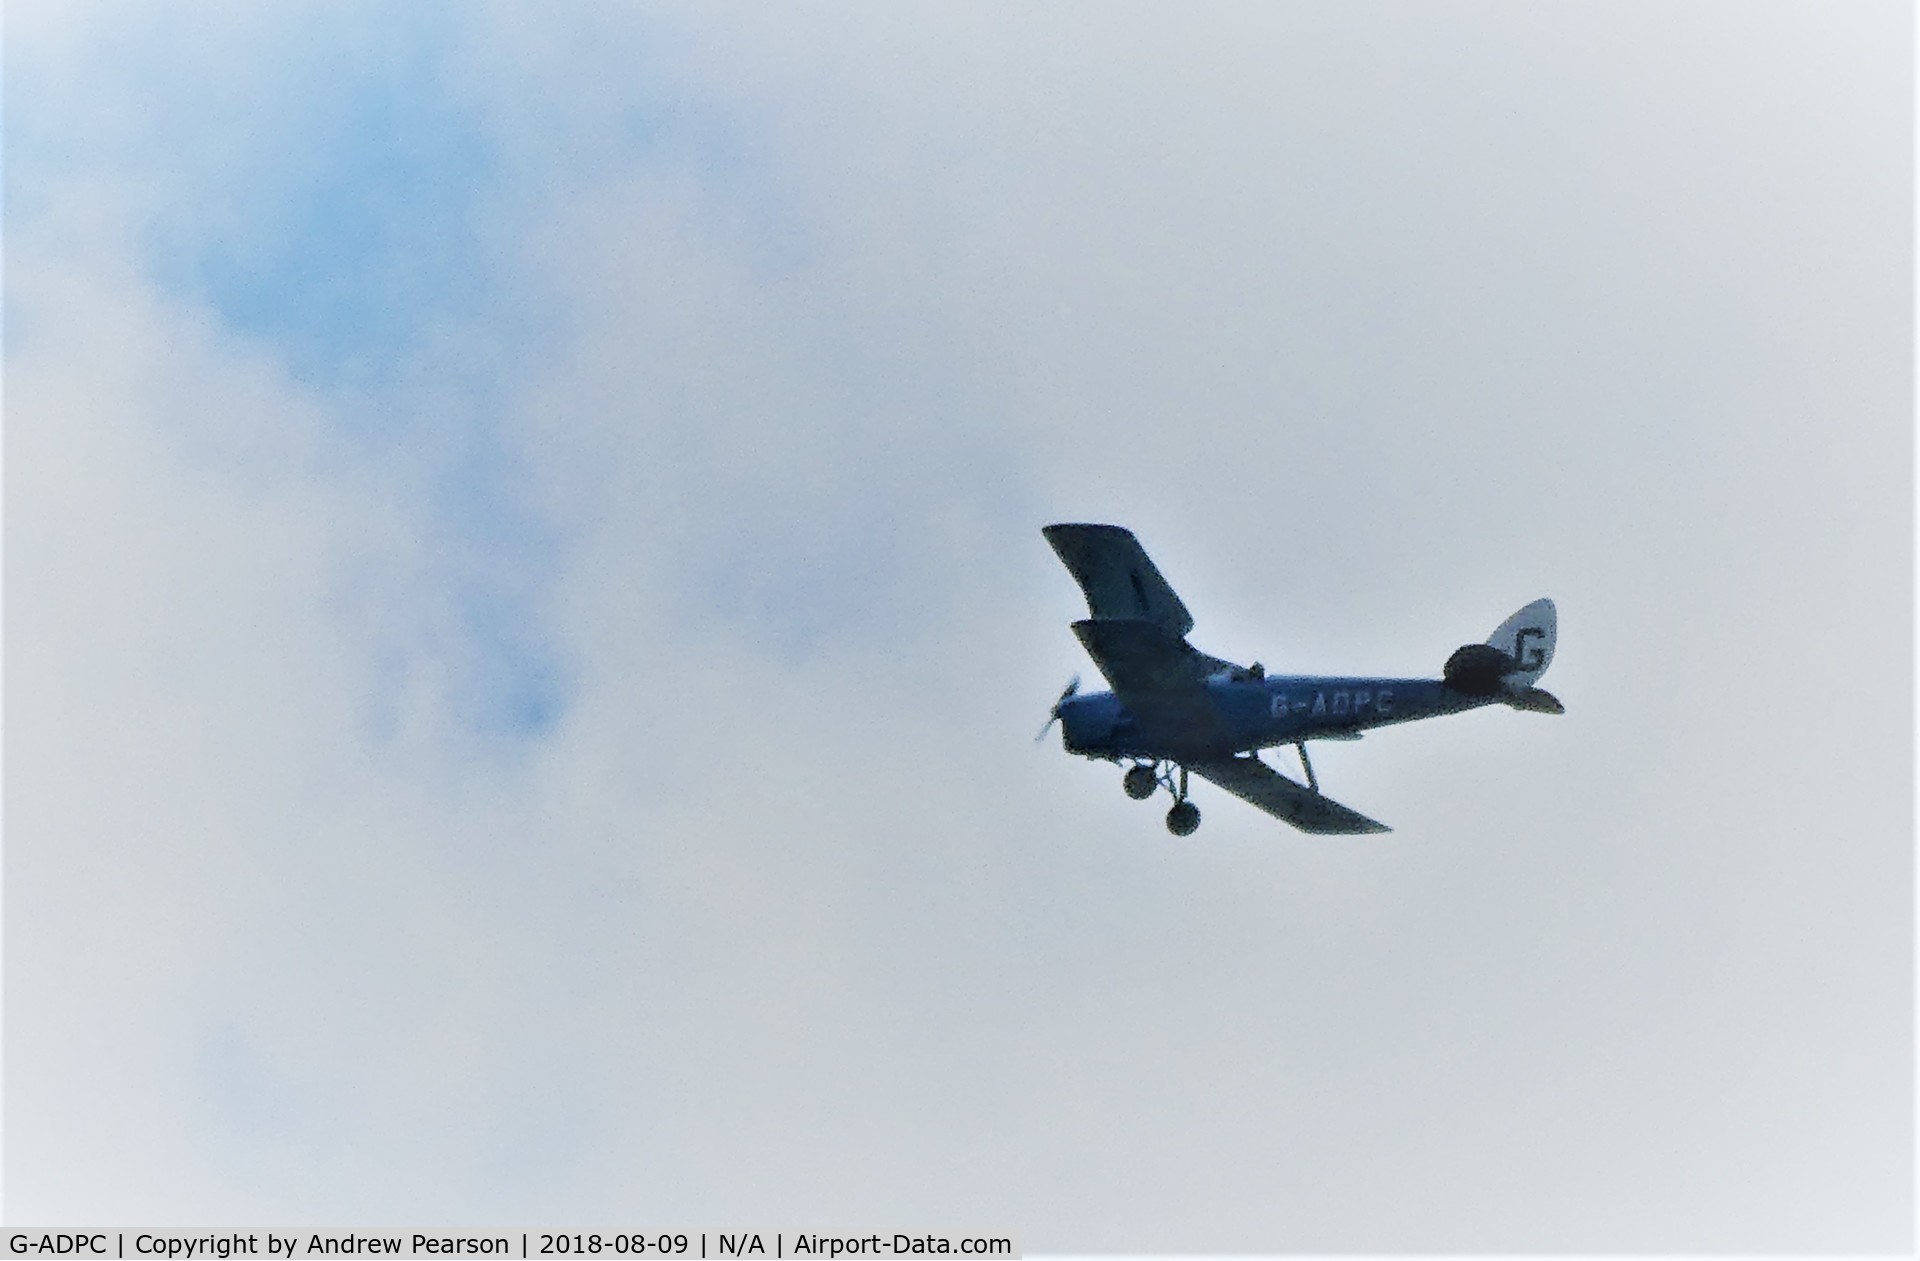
(1256, 783)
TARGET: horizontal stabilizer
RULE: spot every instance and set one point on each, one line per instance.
(1258, 784)
(1116, 576)
(1539, 700)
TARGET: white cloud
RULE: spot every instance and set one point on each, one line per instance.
(1375, 325)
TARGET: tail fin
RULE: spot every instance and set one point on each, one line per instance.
(1528, 637)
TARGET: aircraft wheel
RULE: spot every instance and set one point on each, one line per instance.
(1183, 818)
(1140, 783)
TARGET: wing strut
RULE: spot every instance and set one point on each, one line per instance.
(1307, 766)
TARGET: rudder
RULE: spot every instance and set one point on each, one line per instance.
(1527, 637)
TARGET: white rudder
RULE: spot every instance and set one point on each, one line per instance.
(1527, 637)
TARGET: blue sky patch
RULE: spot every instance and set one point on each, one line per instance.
(361, 217)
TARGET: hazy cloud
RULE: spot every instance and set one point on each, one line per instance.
(526, 618)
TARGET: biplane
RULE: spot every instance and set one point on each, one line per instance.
(1174, 711)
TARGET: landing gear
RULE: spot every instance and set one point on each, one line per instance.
(1185, 816)
(1143, 777)
(1140, 781)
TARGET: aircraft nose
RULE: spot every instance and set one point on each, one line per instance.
(1084, 722)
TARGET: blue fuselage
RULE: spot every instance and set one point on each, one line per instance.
(1240, 715)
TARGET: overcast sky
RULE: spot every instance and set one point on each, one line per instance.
(526, 616)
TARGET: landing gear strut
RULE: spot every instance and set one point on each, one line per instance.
(1185, 816)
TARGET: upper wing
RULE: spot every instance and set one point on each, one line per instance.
(1140, 656)
(1137, 634)
(1120, 582)
(1252, 780)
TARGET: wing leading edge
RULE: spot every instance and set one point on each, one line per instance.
(1258, 784)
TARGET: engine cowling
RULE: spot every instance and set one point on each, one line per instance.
(1476, 669)
(1087, 721)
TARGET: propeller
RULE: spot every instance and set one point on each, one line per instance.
(1066, 694)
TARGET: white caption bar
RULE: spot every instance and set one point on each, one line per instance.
(178, 1244)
